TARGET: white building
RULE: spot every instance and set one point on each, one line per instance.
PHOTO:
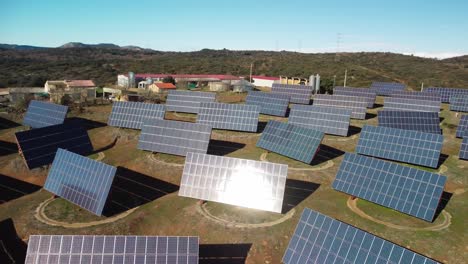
(264, 81)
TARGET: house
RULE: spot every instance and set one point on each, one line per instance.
(264, 81)
(77, 90)
(17, 94)
(161, 87)
(125, 80)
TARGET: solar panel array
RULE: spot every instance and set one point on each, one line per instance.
(462, 126)
(445, 93)
(298, 94)
(428, 96)
(112, 249)
(229, 116)
(321, 239)
(395, 103)
(241, 182)
(386, 88)
(329, 120)
(464, 147)
(38, 146)
(174, 137)
(292, 141)
(42, 114)
(80, 180)
(428, 122)
(357, 105)
(361, 92)
(402, 145)
(187, 101)
(408, 190)
(269, 103)
(132, 114)
(459, 103)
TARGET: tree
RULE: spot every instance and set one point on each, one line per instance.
(169, 79)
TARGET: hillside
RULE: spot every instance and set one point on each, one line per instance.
(32, 67)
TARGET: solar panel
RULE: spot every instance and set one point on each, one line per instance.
(269, 103)
(241, 182)
(464, 147)
(459, 103)
(428, 96)
(386, 88)
(419, 121)
(187, 101)
(42, 114)
(132, 114)
(80, 180)
(357, 105)
(445, 93)
(462, 126)
(229, 116)
(321, 239)
(292, 141)
(361, 92)
(298, 94)
(407, 190)
(329, 120)
(402, 145)
(38, 146)
(112, 249)
(395, 103)
(174, 137)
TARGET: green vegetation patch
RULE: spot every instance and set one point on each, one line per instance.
(65, 211)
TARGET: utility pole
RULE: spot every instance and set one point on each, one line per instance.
(345, 77)
(251, 68)
(334, 80)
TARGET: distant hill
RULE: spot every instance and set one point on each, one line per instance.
(19, 47)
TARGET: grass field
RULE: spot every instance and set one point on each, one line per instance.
(165, 213)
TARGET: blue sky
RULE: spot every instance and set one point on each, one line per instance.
(425, 28)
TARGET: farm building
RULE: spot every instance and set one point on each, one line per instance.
(77, 90)
(264, 81)
(17, 94)
(161, 87)
(123, 80)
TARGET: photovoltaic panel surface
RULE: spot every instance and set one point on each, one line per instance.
(174, 137)
(80, 180)
(42, 114)
(229, 116)
(321, 239)
(132, 114)
(112, 249)
(298, 94)
(292, 141)
(459, 103)
(329, 120)
(462, 126)
(241, 182)
(445, 92)
(403, 104)
(187, 101)
(402, 145)
(428, 122)
(428, 96)
(464, 147)
(387, 88)
(269, 103)
(361, 92)
(357, 105)
(38, 146)
(408, 190)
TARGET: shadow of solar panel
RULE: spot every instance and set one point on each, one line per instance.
(296, 142)
(445, 92)
(269, 103)
(112, 249)
(357, 105)
(38, 146)
(428, 96)
(132, 114)
(42, 114)
(229, 116)
(353, 91)
(402, 145)
(464, 147)
(321, 239)
(329, 120)
(386, 88)
(241, 182)
(462, 126)
(174, 137)
(419, 121)
(459, 103)
(80, 180)
(407, 190)
(187, 101)
(402, 104)
(298, 94)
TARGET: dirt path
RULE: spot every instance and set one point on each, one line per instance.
(443, 169)
(352, 204)
(154, 159)
(342, 139)
(236, 136)
(327, 165)
(100, 156)
(41, 216)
